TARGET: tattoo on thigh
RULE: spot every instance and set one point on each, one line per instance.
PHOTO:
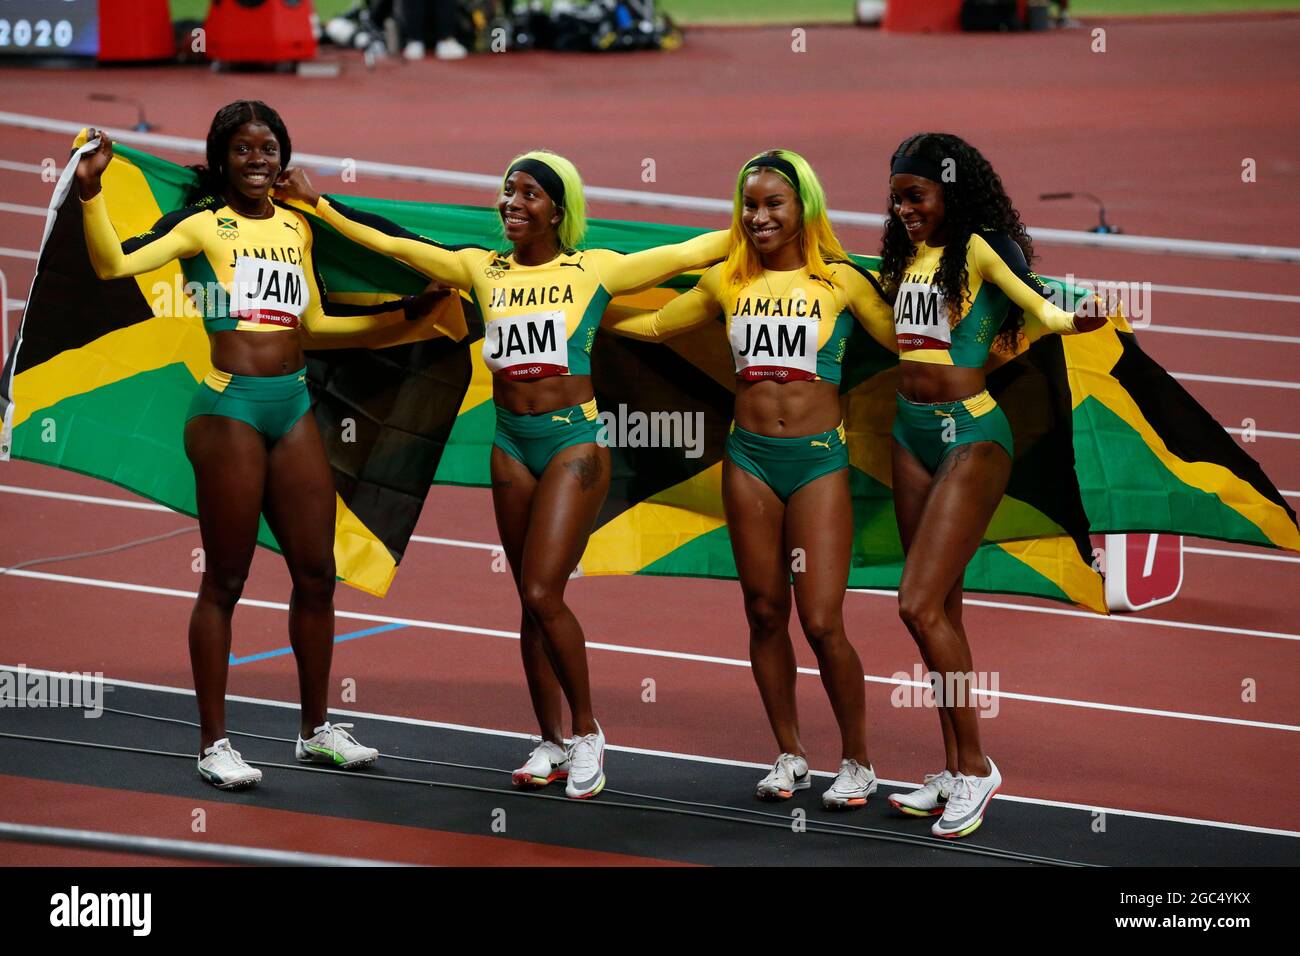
(587, 470)
(957, 455)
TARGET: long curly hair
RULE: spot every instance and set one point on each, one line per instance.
(212, 177)
(975, 200)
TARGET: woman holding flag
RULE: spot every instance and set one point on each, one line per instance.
(955, 264)
(790, 296)
(254, 448)
(542, 303)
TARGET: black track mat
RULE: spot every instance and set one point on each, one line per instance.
(705, 812)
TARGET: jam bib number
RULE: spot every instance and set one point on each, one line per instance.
(524, 347)
(784, 349)
(268, 293)
(921, 318)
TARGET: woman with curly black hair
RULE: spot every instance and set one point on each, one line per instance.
(955, 263)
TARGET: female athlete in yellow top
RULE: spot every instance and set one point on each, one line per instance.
(253, 446)
(955, 262)
(788, 296)
(542, 303)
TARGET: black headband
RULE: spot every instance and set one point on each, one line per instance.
(545, 176)
(916, 166)
(783, 166)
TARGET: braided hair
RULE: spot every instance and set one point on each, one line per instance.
(212, 177)
(975, 200)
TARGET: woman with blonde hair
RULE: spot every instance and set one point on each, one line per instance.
(789, 295)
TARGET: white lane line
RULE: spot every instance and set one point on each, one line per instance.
(646, 651)
(455, 543)
(1220, 553)
(84, 499)
(1245, 338)
(1101, 618)
(1261, 433)
(24, 210)
(1226, 293)
(640, 197)
(1195, 290)
(669, 754)
(1230, 380)
(18, 253)
(12, 166)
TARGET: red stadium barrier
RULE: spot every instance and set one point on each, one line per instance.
(135, 30)
(260, 31)
(929, 16)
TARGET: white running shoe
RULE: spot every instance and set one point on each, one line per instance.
(414, 50)
(450, 49)
(332, 744)
(788, 774)
(546, 763)
(586, 766)
(968, 799)
(223, 767)
(929, 799)
(853, 784)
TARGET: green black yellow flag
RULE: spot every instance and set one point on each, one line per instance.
(1106, 440)
(102, 373)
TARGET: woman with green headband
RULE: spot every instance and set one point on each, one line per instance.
(542, 303)
(789, 296)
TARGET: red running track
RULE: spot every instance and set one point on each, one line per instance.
(1147, 125)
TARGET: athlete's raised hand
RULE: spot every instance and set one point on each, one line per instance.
(294, 184)
(92, 164)
(1095, 310)
(418, 306)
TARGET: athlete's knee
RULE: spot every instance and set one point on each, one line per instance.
(920, 613)
(222, 588)
(823, 629)
(767, 617)
(542, 600)
(314, 582)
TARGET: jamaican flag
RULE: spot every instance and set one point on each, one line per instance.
(102, 373)
(1105, 439)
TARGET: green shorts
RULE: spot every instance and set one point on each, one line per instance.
(931, 431)
(535, 439)
(272, 404)
(787, 464)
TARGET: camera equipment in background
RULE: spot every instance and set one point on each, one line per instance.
(499, 25)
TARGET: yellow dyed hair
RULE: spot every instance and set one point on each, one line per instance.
(817, 240)
(573, 224)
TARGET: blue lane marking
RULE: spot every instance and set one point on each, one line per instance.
(281, 651)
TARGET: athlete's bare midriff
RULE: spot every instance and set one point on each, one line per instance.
(926, 384)
(542, 395)
(788, 410)
(257, 354)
